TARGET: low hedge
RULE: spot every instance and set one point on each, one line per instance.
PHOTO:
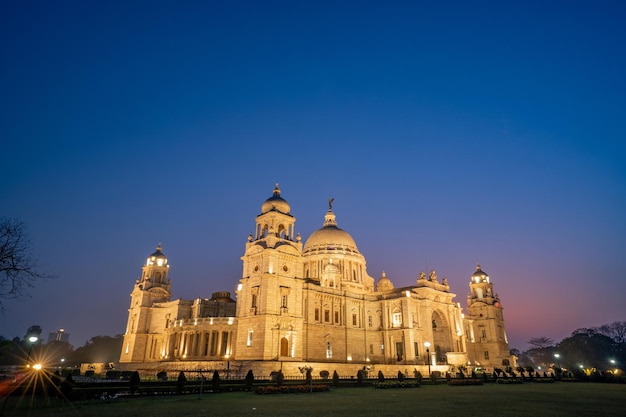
(509, 381)
(290, 389)
(394, 384)
(465, 381)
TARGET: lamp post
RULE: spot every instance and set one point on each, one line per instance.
(427, 344)
(31, 340)
(557, 356)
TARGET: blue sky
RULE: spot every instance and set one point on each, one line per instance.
(448, 134)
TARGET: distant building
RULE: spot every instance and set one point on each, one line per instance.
(315, 305)
(59, 336)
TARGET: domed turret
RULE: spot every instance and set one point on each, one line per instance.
(384, 283)
(155, 271)
(157, 258)
(479, 275)
(276, 202)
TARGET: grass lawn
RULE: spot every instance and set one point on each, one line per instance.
(492, 400)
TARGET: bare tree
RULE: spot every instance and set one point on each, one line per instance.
(541, 351)
(541, 342)
(615, 330)
(18, 268)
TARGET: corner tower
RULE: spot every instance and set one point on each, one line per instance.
(269, 294)
(487, 335)
(154, 286)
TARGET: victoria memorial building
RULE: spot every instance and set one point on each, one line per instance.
(311, 303)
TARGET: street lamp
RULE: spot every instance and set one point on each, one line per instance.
(557, 356)
(427, 344)
(31, 340)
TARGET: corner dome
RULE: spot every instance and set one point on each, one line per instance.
(330, 238)
(276, 202)
(158, 253)
(384, 283)
(157, 257)
(479, 275)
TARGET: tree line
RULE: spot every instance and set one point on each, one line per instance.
(601, 348)
(20, 351)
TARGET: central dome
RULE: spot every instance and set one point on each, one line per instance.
(330, 238)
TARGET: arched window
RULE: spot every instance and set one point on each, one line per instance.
(284, 347)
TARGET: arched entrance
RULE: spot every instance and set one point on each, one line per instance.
(441, 336)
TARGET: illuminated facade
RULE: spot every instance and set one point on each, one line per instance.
(312, 303)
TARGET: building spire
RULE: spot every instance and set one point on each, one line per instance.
(329, 218)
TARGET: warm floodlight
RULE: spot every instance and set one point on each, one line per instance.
(427, 344)
(33, 339)
(37, 367)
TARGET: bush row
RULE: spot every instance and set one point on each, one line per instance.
(465, 381)
(394, 384)
(290, 389)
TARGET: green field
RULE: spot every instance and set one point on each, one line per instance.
(491, 400)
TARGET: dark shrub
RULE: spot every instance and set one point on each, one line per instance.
(381, 377)
(418, 377)
(113, 375)
(133, 382)
(335, 379)
(180, 382)
(215, 382)
(324, 374)
(66, 387)
(249, 380)
(280, 378)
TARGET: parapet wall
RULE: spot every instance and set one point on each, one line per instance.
(263, 369)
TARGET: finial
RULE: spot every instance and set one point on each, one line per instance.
(477, 266)
(276, 190)
(330, 204)
(159, 247)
